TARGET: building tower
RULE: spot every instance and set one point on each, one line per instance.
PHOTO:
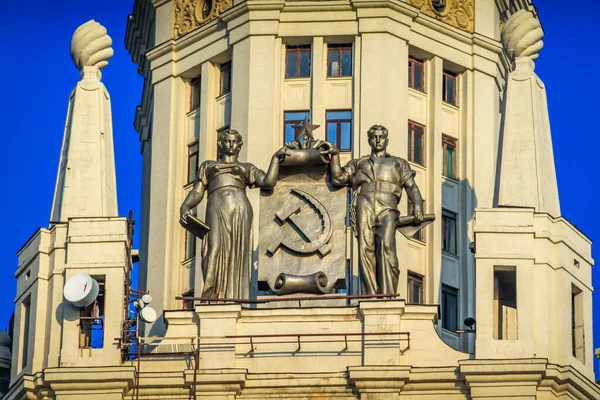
(260, 67)
(435, 73)
(85, 236)
(534, 294)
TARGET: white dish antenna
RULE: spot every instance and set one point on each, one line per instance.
(81, 290)
(147, 299)
(147, 314)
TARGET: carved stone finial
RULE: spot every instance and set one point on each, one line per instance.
(91, 46)
(522, 36)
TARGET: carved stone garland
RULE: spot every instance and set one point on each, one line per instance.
(458, 13)
(191, 14)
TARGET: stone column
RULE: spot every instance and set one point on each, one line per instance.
(318, 73)
(384, 58)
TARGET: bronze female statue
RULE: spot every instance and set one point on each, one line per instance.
(227, 250)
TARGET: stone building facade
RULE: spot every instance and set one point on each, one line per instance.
(454, 83)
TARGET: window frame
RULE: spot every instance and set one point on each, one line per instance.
(449, 290)
(411, 142)
(225, 66)
(338, 136)
(298, 49)
(453, 142)
(25, 328)
(93, 316)
(445, 76)
(411, 279)
(411, 73)
(293, 121)
(190, 252)
(577, 324)
(505, 298)
(195, 83)
(340, 48)
(190, 155)
(452, 215)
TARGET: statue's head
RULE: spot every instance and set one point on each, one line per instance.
(378, 137)
(229, 142)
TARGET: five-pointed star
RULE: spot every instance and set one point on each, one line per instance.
(307, 128)
(298, 130)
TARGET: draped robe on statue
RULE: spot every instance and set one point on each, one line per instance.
(227, 249)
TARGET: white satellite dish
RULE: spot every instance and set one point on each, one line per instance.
(81, 290)
(147, 314)
(147, 299)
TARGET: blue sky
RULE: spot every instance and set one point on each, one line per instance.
(37, 75)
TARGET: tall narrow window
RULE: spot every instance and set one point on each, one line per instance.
(297, 61)
(291, 118)
(190, 245)
(192, 162)
(449, 145)
(577, 333)
(449, 308)
(91, 320)
(416, 139)
(339, 60)
(416, 74)
(449, 232)
(449, 88)
(339, 129)
(419, 235)
(414, 291)
(25, 321)
(505, 303)
(225, 86)
(195, 93)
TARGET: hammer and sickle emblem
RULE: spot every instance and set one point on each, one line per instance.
(314, 234)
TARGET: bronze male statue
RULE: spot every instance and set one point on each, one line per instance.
(378, 180)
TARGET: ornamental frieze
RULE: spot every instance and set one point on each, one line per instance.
(458, 13)
(191, 14)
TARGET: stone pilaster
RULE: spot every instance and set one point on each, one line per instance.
(503, 379)
(216, 384)
(215, 323)
(379, 382)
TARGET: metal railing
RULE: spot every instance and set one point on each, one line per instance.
(299, 299)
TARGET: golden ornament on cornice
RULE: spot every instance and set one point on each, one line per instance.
(458, 13)
(191, 14)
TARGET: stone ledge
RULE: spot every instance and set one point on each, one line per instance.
(379, 379)
(92, 379)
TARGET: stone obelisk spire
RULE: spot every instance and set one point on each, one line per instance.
(526, 166)
(86, 182)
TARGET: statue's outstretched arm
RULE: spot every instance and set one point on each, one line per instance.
(268, 180)
(338, 176)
